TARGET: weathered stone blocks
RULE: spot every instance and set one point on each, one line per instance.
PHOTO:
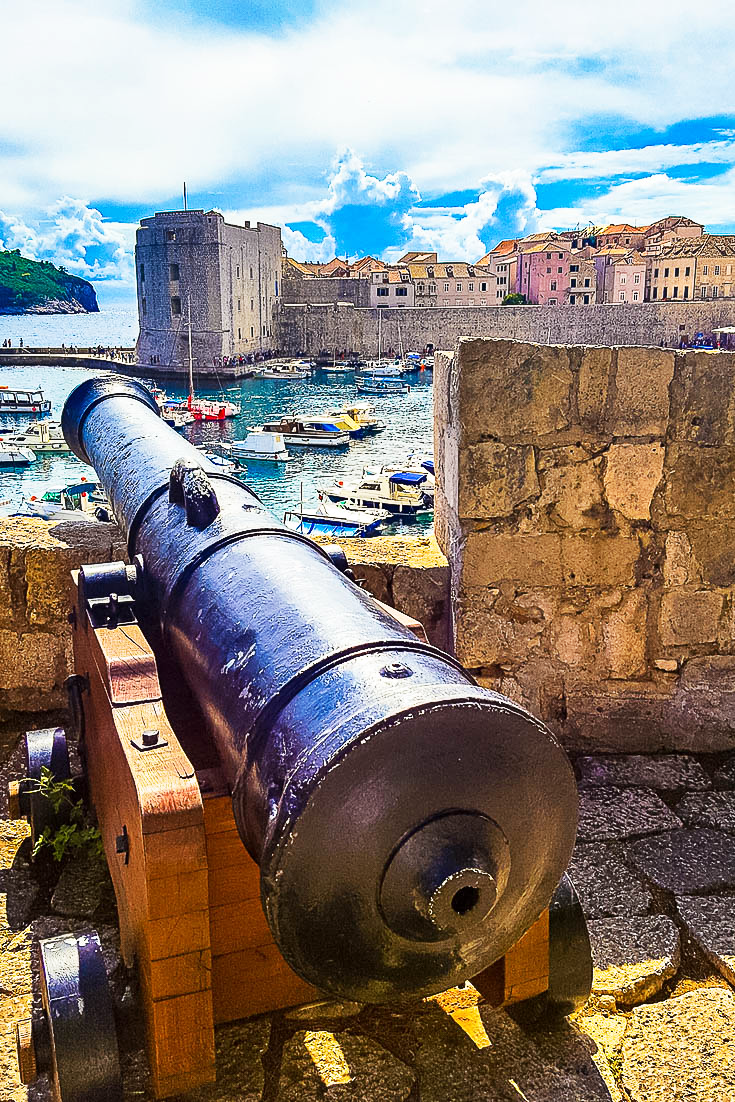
(689, 616)
(632, 475)
(495, 478)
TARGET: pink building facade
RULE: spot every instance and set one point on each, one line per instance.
(542, 274)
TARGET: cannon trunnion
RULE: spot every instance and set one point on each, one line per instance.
(318, 802)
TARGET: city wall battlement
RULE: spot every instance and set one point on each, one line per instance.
(309, 328)
(587, 508)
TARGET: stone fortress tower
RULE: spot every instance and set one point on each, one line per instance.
(229, 275)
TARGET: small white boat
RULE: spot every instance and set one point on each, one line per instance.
(309, 432)
(261, 446)
(327, 519)
(382, 369)
(402, 493)
(12, 455)
(176, 417)
(223, 464)
(23, 401)
(282, 370)
(385, 387)
(42, 437)
(81, 500)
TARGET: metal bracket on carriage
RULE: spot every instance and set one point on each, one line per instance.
(108, 592)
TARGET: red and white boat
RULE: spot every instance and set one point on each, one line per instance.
(206, 409)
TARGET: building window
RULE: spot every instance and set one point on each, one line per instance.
(548, 271)
(383, 292)
(665, 293)
(548, 256)
(237, 272)
(276, 288)
(714, 290)
(470, 286)
(573, 282)
(252, 303)
(686, 271)
(553, 285)
(552, 302)
(675, 292)
(635, 296)
(483, 286)
(622, 296)
(432, 288)
(655, 273)
(446, 286)
(420, 289)
(686, 292)
(574, 267)
(252, 331)
(676, 273)
(251, 271)
(586, 300)
(483, 302)
(666, 272)
(401, 292)
(561, 256)
(717, 269)
(459, 286)
(705, 270)
(572, 300)
(170, 235)
(175, 306)
(263, 331)
(559, 271)
(239, 334)
(655, 292)
(446, 302)
(586, 283)
(636, 278)
(143, 305)
(472, 302)
(142, 273)
(458, 302)
(623, 279)
(704, 291)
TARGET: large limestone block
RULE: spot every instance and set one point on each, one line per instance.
(571, 489)
(512, 391)
(594, 382)
(624, 636)
(32, 662)
(494, 479)
(713, 549)
(679, 566)
(641, 393)
(633, 957)
(490, 630)
(700, 482)
(632, 474)
(689, 616)
(599, 560)
(682, 1049)
(619, 716)
(491, 558)
(703, 398)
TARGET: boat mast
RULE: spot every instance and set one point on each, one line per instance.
(380, 331)
(191, 362)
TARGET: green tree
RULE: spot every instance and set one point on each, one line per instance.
(514, 299)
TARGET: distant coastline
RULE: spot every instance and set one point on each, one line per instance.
(38, 287)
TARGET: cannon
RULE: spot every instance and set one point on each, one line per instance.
(298, 796)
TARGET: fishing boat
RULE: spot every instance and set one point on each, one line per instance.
(81, 500)
(12, 455)
(224, 463)
(309, 432)
(42, 437)
(283, 370)
(327, 519)
(401, 493)
(347, 423)
(259, 446)
(387, 387)
(364, 414)
(23, 401)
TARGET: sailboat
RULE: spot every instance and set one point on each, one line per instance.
(380, 368)
(206, 409)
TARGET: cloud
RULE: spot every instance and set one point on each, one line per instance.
(651, 158)
(73, 235)
(300, 248)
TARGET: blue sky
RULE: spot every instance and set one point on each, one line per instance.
(361, 127)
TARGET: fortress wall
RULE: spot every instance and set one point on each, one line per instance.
(311, 328)
(587, 508)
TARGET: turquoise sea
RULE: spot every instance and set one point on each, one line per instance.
(408, 417)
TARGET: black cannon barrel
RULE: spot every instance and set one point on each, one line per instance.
(409, 825)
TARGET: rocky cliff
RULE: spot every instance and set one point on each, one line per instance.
(38, 287)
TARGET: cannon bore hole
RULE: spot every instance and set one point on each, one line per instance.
(464, 900)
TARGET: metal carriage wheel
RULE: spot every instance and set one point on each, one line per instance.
(44, 749)
(73, 1038)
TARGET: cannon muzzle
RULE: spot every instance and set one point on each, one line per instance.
(409, 826)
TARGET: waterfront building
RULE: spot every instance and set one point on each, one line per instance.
(673, 227)
(695, 268)
(452, 284)
(621, 275)
(227, 276)
(543, 273)
(501, 263)
(391, 287)
(621, 236)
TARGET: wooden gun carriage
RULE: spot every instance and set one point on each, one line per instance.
(199, 917)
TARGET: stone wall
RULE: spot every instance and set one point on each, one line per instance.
(296, 288)
(587, 507)
(35, 636)
(36, 558)
(310, 328)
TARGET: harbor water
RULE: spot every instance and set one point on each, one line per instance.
(408, 419)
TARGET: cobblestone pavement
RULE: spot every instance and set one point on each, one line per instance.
(655, 868)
